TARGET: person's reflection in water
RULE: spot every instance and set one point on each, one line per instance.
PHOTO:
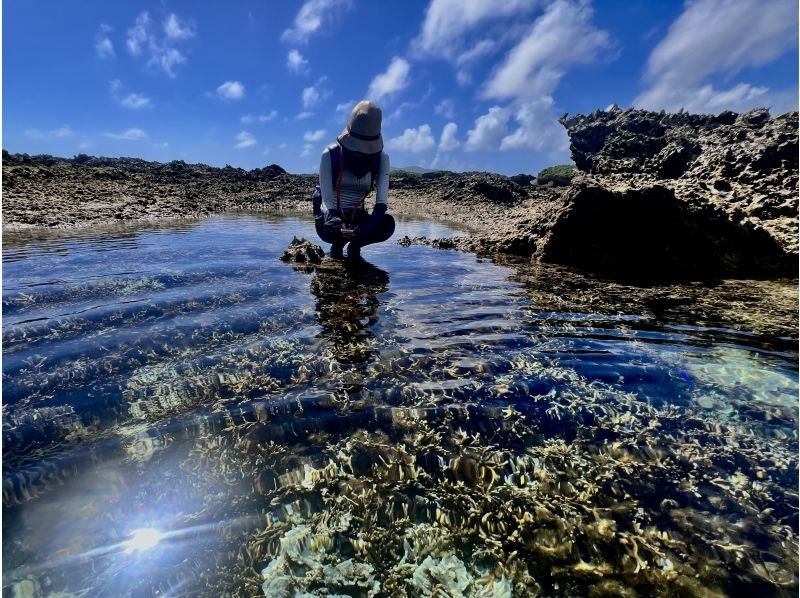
(347, 306)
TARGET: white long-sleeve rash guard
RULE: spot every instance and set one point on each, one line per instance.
(353, 188)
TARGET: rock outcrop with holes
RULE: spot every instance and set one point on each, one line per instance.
(679, 195)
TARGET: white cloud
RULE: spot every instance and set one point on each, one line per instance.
(393, 80)
(105, 49)
(304, 115)
(161, 52)
(413, 140)
(538, 129)
(467, 58)
(103, 45)
(128, 135)
(59, 133)
(264, 117)
(131, 100)
(448, 141)
(448, 21)
(564, 35)
(405, 107)
(489, 129)
(310, 96)
(446, 108)
(314, 135)
(296, 63)
(345, 107)
(244, 139)
(717, 37)
(314, 94)
(529, 75)
(311, 16)
(166, 58)
(231, 90)
(175, 29)
(138, 35)
(307, 150)
(136, 101)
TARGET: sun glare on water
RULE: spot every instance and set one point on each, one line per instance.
(143, 539)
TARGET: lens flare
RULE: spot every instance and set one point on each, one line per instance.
(143, 539)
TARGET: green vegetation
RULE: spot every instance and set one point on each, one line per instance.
(559, 176)
(413, 170)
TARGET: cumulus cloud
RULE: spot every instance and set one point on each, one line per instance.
(133, 101)
(564, 35)
(103, 45)
(305, 115)
(244, 139)
(345, 107)
(296, 63)
(394, 79)
(136, 101)
(537, 128)
(307, 148)
(314, 94)
(447, 23)
(717, 37)
(311, 136)
(161, 52)
(489, 129)
(413, 140)
(174, 28)
(231, 90)
(58, 133)
(448, 140)
(310, 96)
(466, 59)
(446, 108)
(313, 15)
(138, 34)
(264, 117)
(527, 78)
(128, 135)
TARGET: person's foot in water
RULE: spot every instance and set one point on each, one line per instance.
(337, 251)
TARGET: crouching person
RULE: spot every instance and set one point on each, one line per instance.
(348, 170)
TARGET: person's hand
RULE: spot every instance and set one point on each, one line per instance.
(332, 225)
(347, 233)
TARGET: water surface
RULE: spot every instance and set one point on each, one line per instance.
(184, 414)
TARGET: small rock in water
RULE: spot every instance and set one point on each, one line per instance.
(303, 252)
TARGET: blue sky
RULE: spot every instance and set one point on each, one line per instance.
(464, 84)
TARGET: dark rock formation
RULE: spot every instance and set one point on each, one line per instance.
(302, 252)
(523, 179)
(679, 195)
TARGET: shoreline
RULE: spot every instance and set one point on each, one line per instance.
(671, 196)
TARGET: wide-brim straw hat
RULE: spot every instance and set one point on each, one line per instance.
(363, 130)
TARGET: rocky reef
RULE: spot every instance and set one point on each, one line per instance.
(680, 194)
(656, 196)
(302, 253)
(53, 192)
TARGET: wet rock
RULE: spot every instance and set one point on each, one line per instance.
(302, 252)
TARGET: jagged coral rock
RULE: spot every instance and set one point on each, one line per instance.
(302, 252)
(685, 194)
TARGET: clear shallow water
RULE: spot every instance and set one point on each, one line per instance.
(185, 414)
